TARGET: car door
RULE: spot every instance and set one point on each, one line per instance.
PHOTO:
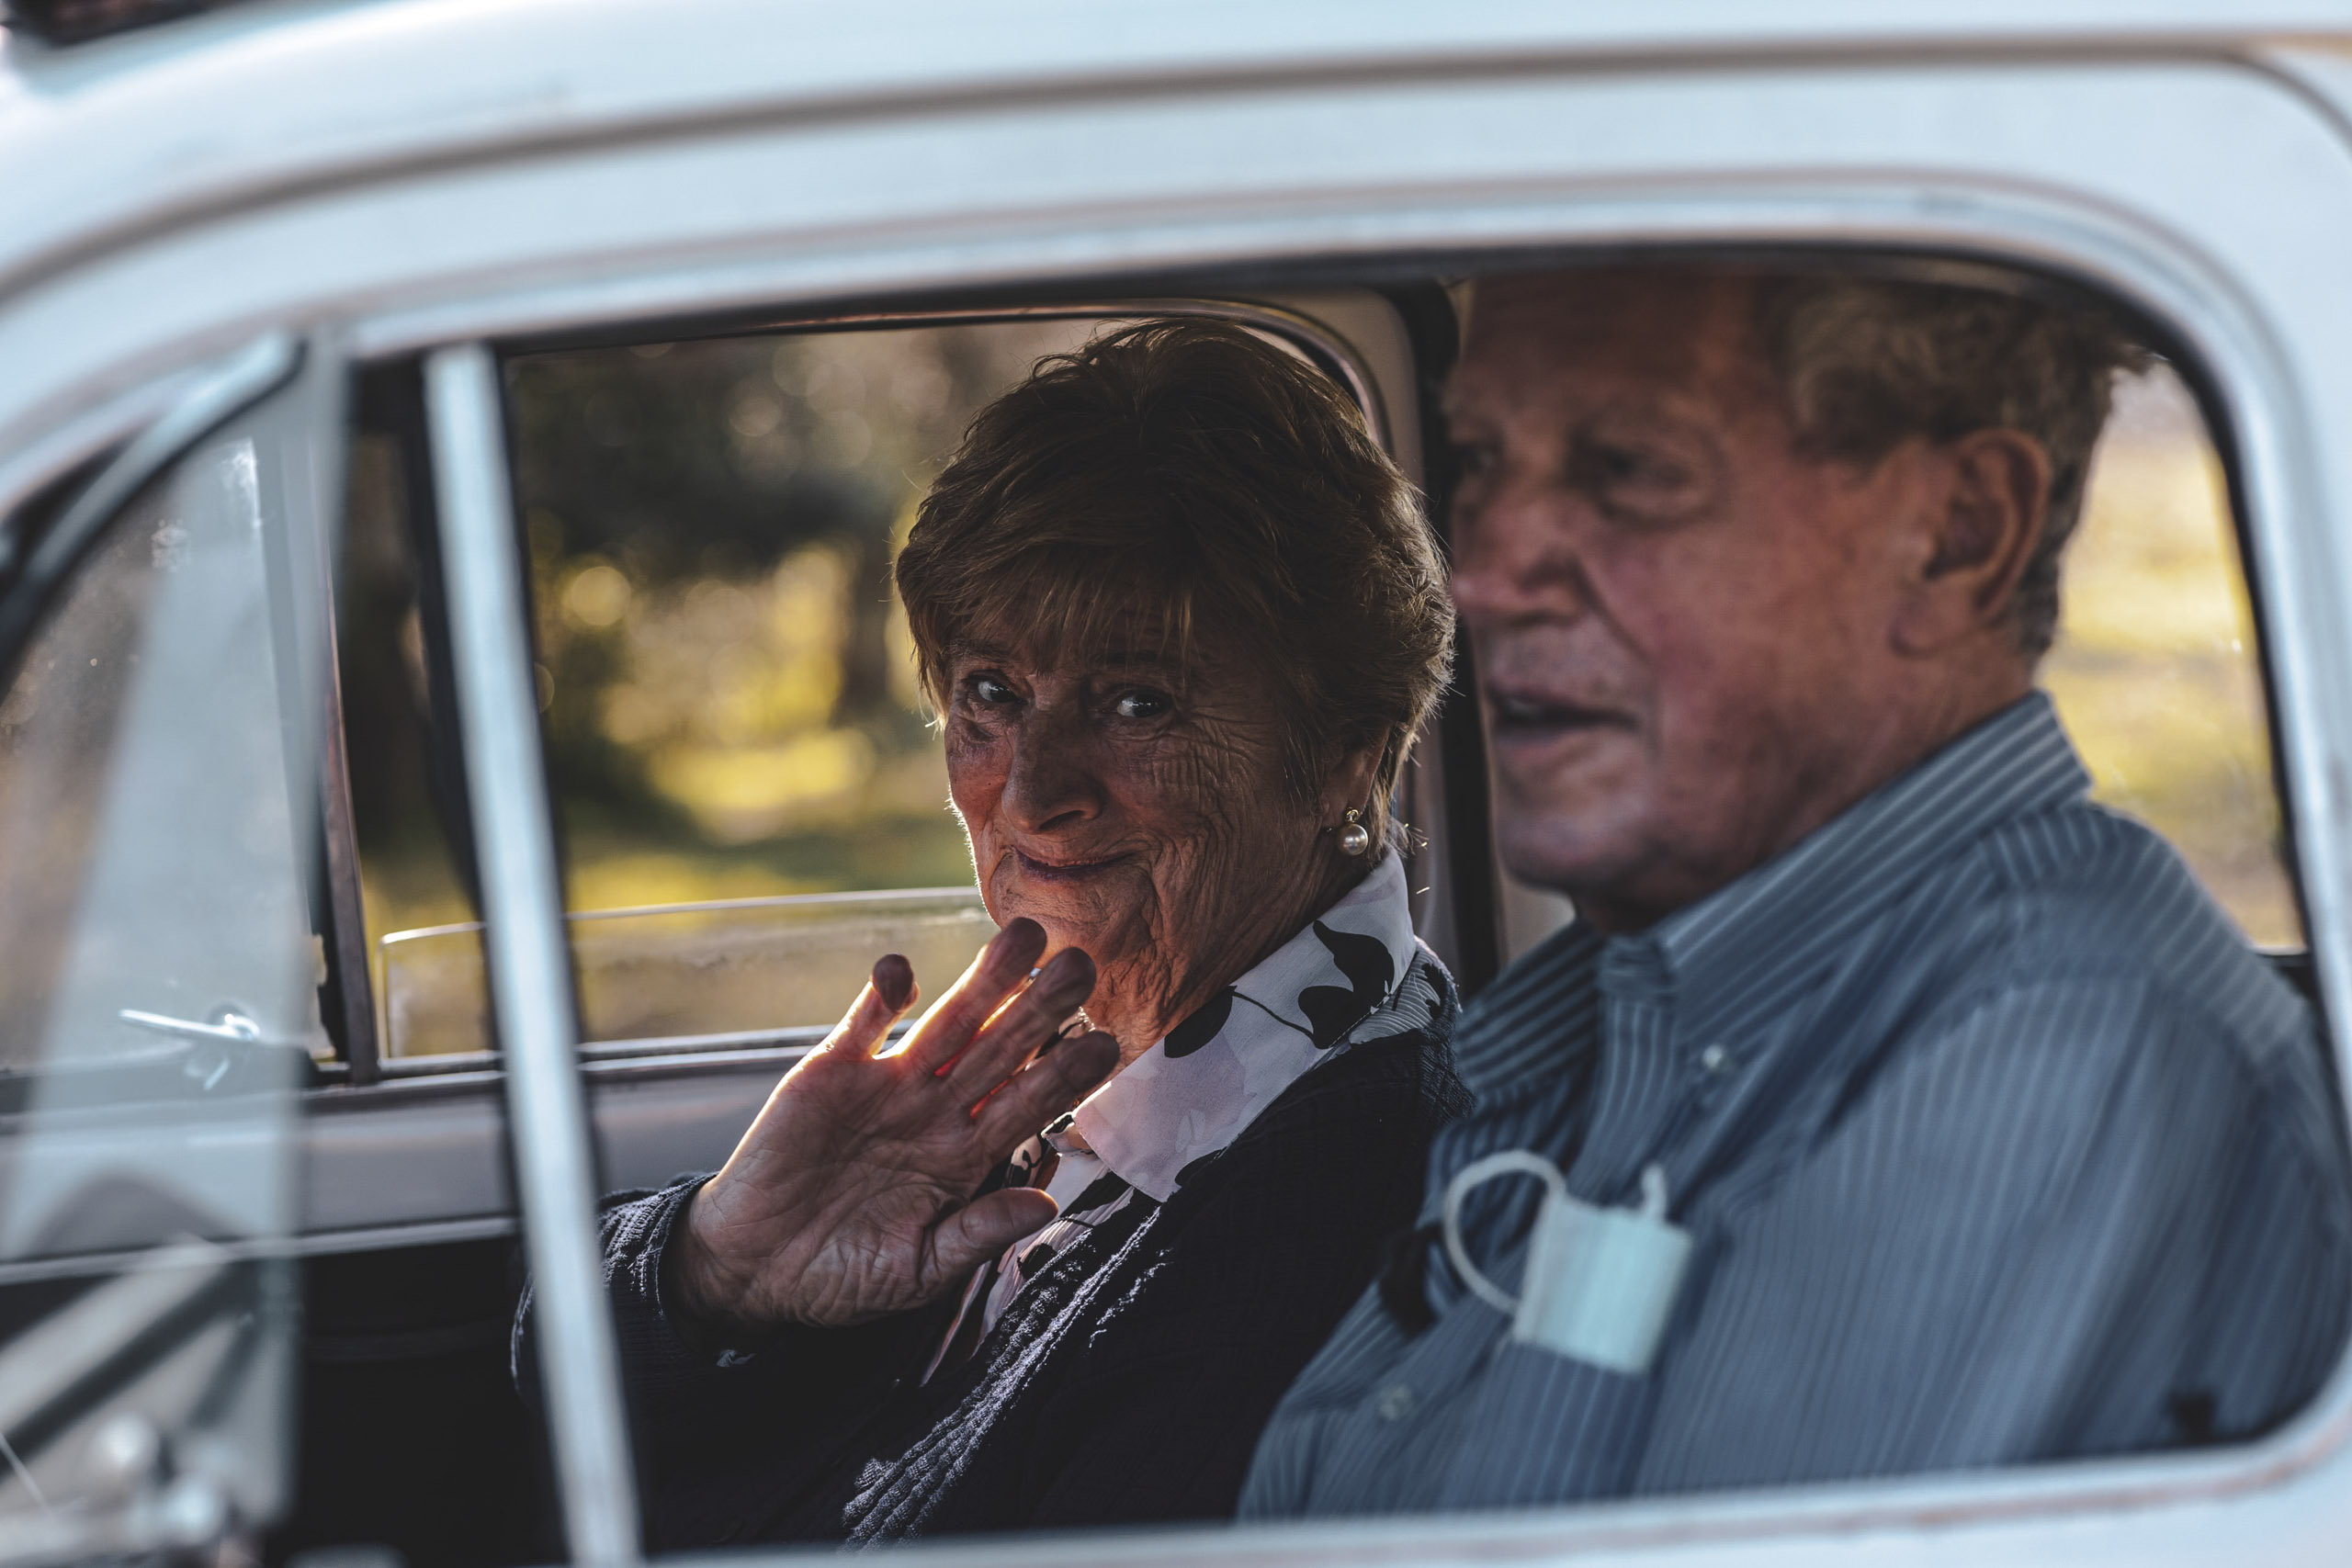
(700, 963)
(699, 168)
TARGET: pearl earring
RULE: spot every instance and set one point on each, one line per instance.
(1354, 836)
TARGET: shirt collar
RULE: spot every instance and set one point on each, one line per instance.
(1194, 1092)
(1801, 907)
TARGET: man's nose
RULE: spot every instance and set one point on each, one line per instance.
(1051, 782)
(1517, 557)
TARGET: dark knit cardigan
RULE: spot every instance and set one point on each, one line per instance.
(1126, 1382)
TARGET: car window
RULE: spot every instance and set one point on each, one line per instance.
(410, 823)
(2156, 670)
(751, 796)
(749, 786)
(160, 974)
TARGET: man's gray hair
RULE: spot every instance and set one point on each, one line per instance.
(1870, 363)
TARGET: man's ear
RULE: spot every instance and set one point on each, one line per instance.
(1984, 515)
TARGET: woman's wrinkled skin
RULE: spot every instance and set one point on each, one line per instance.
(850, 1196)
(1134, 837)
(1137, 810)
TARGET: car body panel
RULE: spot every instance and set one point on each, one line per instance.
(402, 176)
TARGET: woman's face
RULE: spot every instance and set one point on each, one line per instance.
(1137, 809)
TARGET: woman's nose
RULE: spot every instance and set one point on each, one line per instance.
(1049, 782)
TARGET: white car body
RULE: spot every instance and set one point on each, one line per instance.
(403, 176)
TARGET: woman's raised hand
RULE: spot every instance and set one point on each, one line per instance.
(851, 1196)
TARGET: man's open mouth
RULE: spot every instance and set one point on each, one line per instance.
(1530, 717)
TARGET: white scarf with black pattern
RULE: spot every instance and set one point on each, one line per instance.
(1340, 980)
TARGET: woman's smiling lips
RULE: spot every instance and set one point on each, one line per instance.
(1062, 870)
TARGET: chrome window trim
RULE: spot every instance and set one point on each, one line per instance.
(225, 389)
(324, 1243)
(555, 1164)
(108, 421)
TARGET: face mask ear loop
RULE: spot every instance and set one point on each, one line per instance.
(1654, 1194)
(1477, 1173)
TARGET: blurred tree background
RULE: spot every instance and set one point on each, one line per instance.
(727, 687)
(732, 702)
(2156, 671)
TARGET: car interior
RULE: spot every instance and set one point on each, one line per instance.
(750, 797)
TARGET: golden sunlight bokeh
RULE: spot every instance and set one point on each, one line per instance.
(2156, 673)
(732, 728)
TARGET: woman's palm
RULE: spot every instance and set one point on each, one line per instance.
(851, 1196)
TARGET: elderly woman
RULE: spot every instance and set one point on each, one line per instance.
(1181, 619)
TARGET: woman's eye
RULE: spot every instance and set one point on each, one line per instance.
(1140, 704)
(993, 690)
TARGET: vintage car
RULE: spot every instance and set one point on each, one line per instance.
(456, 752)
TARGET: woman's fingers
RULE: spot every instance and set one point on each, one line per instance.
(985, 1227)
(944, 1032)
(1047, 1088)
(894, 981)
(1006, 1040)
(887, 995)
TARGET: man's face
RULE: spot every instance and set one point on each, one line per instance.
(1679, 620)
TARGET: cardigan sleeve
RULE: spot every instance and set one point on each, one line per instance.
(694, 1417)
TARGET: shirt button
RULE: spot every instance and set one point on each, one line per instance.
(1715, 1060)
(1396, 1402)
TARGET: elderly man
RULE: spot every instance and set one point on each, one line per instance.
(1911, 1111)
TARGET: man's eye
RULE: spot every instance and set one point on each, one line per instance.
(993, 690)
(1141, 704)
(1635, 481)
(1628, 465)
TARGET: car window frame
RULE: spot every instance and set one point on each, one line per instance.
(1827, 1509)
(1840, 1508)
(1830, 1507)
(1457, 910)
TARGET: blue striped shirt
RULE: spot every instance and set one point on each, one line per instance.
(1995, 1141)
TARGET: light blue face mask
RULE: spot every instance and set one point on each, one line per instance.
(1599, 1283)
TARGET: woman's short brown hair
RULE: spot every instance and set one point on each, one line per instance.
(1189, 475)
